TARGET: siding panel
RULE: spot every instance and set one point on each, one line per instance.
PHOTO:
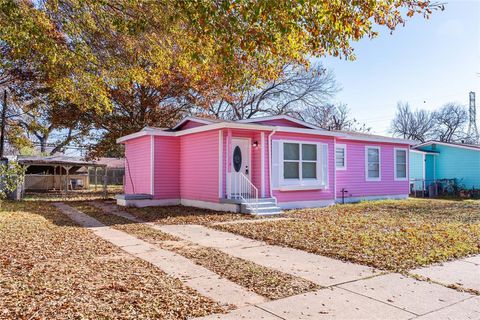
(199, 166)
(353, 179)
(137, 166)
(167, 168)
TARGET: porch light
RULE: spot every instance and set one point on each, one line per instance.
(255, 144)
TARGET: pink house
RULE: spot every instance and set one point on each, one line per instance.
(260, 166)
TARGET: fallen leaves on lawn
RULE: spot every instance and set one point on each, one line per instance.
(184, 215)
(50, 268)
(261, 280)
(391, 235)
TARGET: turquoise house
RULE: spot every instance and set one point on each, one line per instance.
(433, 160)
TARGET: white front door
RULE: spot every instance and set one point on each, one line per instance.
(241, 156)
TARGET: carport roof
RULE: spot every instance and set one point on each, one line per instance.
(57, 160)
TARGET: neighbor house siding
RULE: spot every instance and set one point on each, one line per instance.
(457, 163)
(417, 169)
(309, 195)
(137, 166)
(354, 181)
(199, 166)
(167, 168)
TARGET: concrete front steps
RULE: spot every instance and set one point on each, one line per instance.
(266, 207)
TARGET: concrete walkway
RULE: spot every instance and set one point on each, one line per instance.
(318, 269)
(464, 273)
(354, 291)
(206, 282)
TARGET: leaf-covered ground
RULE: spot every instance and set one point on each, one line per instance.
(75, 195)
(51, 268)
(390, 235)
(184, 215)
(261, 280)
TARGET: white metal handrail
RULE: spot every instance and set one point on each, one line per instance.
(242, 188)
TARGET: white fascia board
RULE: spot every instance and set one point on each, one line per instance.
(380, 139)
(423, 152)
(428, 143)
(208, 127)
(284, 117)
(311, 131)
(144, 133)
(194, 119)
(252, 126)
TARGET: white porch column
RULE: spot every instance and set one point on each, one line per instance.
(228, 164)
(220, 164)
(262, 164)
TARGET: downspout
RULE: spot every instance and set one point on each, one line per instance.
(335, 170)
(270, 162)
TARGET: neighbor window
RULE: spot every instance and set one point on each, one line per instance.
(341, 157)
(299, 161)
(400, 164)
(373, 165)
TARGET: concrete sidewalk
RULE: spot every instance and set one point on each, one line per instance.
(318, 269)
(206, 282)
(356, 292)
(353, 291)
(464, 273)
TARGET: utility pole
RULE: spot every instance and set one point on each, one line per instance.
(472, 134)
(2, 128)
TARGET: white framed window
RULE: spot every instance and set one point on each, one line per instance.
(299, 165)
(299, 161)
(341, 156)
(373, 164)
(400, 163)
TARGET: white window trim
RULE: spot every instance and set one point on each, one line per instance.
(344, 147)
(379, 163)
(395, 164)
(301, 184)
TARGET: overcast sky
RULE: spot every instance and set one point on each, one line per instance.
(426, 63)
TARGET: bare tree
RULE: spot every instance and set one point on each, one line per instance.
(333, 117)
(296, 90)
(414, 125)
(450, 123)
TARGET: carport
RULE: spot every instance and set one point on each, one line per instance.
(59, 173)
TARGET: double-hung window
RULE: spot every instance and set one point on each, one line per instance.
(373, 164)
(341, 157)
(400, 164)
(299, 165)
(299, 161)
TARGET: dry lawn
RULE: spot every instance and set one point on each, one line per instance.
(261, 280)
(184, 215)
(52, 269)
(390, 235)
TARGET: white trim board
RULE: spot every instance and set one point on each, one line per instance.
(194, 119)
(262, 163)
(140, 203)
(306, 204)
(152, 165)
(373, 198)
(220, 164)
(453, 145)
(281, 117)
(230, 207)
(253, 126)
